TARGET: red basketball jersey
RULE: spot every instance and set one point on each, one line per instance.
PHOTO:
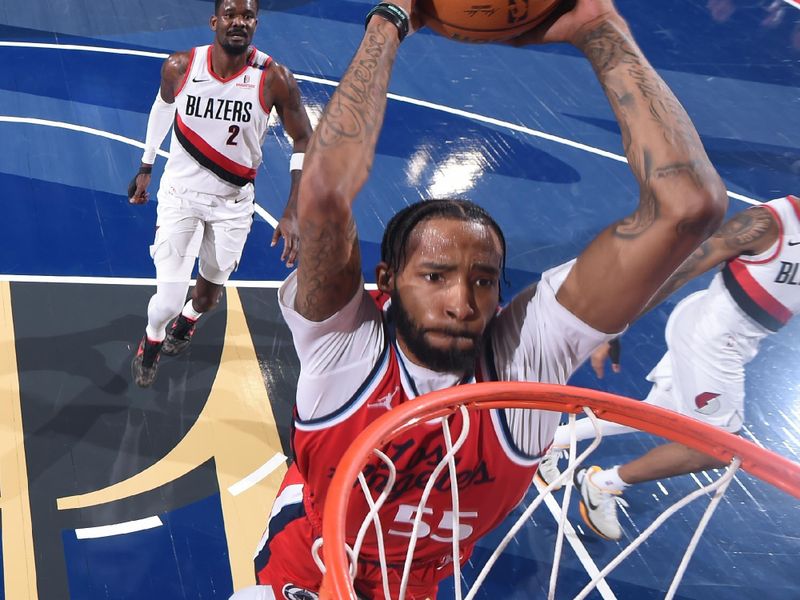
(492, 474)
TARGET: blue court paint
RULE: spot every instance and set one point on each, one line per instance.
(184, 558)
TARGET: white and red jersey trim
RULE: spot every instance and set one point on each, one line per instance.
(767, 286)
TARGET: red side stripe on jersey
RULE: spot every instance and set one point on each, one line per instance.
(778, 245)
(758, 294)
(795, 202)
(213, 155)
(188, 70)
(226, 79)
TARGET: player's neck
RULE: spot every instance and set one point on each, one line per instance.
(225, 64)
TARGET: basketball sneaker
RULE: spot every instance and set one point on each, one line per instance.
(548, 467)
(178, 336)
(598, 506)
(145, 363)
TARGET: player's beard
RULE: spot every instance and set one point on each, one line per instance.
(450, 360)
(234, 49)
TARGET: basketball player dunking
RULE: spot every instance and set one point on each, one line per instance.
(435, 323)
(217, 99)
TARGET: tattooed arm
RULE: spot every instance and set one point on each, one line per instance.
(750, 232)
(682, 199)
(337, 163)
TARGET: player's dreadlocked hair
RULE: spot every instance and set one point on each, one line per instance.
(395, 238)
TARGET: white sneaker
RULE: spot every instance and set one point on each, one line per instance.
(548, 468)
(598, 506)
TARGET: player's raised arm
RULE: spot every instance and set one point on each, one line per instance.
(682, 199)
(281, 91)
(337, 164)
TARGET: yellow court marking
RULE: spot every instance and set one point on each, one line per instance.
(19, 565)
(236, 428)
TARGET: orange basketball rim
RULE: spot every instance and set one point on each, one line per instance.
(763, 464)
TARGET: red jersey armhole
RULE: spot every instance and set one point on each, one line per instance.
(795, 202)
(264, 107)
(186, 75)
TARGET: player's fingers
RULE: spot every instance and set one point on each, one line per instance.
(275, 237)
(293, 250)
(615, 353)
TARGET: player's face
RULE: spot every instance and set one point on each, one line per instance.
(447, 292)
(234, 25)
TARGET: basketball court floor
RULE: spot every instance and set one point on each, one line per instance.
(109, 491)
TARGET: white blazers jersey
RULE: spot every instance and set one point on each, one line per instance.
(219, 127)
(767, 286)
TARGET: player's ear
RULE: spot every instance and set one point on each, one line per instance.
(384, 276)
(212, 22)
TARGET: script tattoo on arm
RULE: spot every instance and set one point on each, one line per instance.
(355, 113)
(339, 160)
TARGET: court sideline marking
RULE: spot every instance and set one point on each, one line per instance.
(391, 96)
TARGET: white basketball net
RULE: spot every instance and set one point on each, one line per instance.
(718, 487)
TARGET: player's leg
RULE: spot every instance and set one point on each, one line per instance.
(224, 236)
(174, 251)
(706, 383)
(660, 395)
(600, 489)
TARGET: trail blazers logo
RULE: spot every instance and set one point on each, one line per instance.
(517, 11)
(707, 403)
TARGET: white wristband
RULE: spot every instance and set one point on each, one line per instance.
(296, 162)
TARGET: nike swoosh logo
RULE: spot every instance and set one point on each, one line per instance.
(793, 243)
(196, 80)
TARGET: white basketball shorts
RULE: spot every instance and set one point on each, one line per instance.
(702, 373)
(191, 226)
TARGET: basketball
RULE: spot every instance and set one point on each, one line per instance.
(484, 20)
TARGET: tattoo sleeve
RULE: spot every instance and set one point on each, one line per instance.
(658, 137)
(338, 160)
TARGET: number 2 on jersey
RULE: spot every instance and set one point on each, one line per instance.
(443, 532)
(234, 131)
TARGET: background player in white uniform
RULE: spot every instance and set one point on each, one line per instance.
(711, 335)
(219, 98)
(444, 285)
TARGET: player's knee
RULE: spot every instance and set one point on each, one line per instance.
(205, 301)
(169, 304)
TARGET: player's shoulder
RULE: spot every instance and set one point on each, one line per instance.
(177, 63)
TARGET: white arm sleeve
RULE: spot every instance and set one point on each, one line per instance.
(158, 124)
(337, 354)
(536, 339)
